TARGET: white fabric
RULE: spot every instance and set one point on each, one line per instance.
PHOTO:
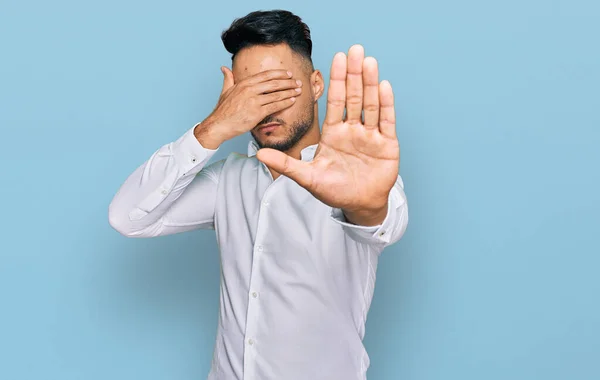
(296, 279)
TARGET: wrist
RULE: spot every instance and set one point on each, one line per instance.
(206, 134)
(366, 217)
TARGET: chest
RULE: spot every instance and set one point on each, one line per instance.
(274, 233)
(256, 213)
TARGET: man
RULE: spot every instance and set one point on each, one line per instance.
(301, 220)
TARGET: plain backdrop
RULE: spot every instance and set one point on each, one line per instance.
(498, 106)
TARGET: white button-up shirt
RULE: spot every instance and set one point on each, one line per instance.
(296, 278)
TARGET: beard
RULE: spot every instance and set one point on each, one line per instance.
(294, 133)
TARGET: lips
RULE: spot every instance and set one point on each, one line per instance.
(268, 127)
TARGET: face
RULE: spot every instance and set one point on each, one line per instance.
(296, 120)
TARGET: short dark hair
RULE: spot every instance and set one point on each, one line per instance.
(268, 28)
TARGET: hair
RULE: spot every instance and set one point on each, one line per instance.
(268, 28)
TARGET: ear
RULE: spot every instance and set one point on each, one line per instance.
(317, 84)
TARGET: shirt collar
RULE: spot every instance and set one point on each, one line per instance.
(307, 154)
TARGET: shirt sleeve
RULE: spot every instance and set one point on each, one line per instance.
(390, 230)
(173, 191)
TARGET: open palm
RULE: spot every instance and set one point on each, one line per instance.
(356, 162)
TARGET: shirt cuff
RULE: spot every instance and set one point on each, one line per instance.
(189, 154)
(379, 234)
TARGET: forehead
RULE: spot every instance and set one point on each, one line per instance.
(255, 59)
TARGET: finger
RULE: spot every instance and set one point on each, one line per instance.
(279, 95)
(276, 85)
(297, 170)
(354, 84)
(336, 95)
(271, 108)
(371, 93)
(227, 79)
(267, 75)
(387, 114)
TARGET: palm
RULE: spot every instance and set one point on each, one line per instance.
(356, 162)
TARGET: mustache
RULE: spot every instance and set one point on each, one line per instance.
(271, 119)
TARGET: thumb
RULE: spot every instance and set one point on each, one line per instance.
(227, 79)
(296, 170)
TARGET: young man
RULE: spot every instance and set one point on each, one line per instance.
(301, 220)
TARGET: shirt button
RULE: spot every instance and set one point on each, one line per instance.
(259, 248)
(163, 192)
(254, 294)
(193, 159)
(382, 233)
(251, 341)
(266, 203)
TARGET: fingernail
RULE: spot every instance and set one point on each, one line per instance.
(293, 99)
(289, 73)
(299, 82)
(298, 89)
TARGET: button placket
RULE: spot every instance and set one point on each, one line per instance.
(253, 303)
(251, 315)
(254, 286)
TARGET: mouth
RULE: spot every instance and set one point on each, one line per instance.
(268, 127)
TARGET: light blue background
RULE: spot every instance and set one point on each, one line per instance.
(498, 109)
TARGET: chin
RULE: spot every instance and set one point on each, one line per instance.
(272, 143)
(268, 138)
